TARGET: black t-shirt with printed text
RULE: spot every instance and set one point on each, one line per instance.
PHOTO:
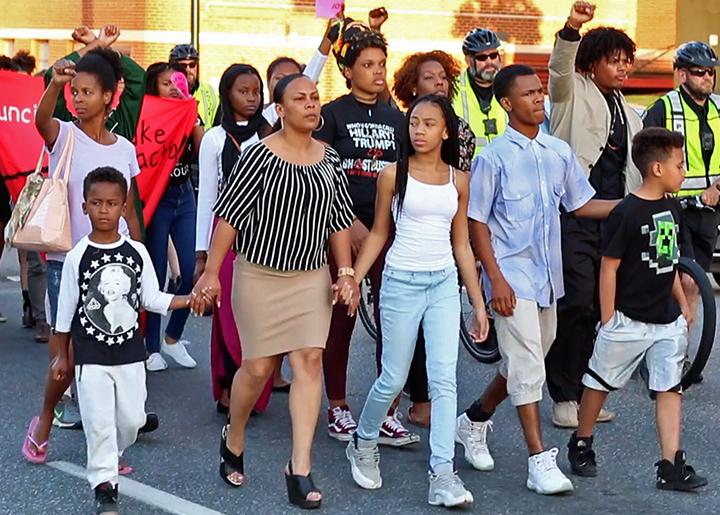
(646, 236)
(365, 136)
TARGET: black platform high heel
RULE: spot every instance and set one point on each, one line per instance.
(298, 488)
(230, 463)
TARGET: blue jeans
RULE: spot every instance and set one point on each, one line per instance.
(408, 299)
(175, 218)
(54, 273)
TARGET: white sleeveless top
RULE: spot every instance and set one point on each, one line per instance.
(422, 231)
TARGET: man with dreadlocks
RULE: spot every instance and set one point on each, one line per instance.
(363, 130)
(589, 112)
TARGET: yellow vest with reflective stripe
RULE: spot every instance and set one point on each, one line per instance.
(680, 117)
(208, 103)
(466, 105)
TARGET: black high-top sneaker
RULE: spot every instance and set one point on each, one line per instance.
(678, 475)
(106, 499)
(581, 456)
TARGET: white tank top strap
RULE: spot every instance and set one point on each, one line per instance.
(452, 175)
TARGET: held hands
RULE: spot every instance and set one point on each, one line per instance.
(503, 297)
(581, 13)
(84, 35)
(205, 292)
(347, 290)
(63, 71)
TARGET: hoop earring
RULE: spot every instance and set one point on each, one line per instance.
(322, 124)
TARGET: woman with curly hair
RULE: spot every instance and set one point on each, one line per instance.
(434, 73)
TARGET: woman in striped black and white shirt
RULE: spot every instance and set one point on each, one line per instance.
(287, 197)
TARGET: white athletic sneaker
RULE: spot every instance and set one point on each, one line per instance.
(179, 354)
(447, 489)
(565, 414)
(544, 476)
(473, 437)
(364, 457)
(155, 362)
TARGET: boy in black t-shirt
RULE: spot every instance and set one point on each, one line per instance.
(106, 279)
(644, 312)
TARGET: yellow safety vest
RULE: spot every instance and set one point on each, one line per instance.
(467, 106)
(680, 117)
(208, 103)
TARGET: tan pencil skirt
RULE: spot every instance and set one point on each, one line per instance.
(278, 312)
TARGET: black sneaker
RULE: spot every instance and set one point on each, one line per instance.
(151, 423)
(106, 499)
(581, 456)
(678, 476)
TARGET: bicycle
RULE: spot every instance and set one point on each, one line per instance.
(484, 351)
(701, 334)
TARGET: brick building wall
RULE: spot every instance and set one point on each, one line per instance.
(256, 32)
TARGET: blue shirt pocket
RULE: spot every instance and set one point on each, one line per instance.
(518, 205)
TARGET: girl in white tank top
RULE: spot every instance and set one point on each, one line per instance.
(427, 199)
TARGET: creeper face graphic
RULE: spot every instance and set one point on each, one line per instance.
(664, 239)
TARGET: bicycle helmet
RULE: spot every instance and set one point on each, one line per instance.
(479, 40)
(183, 51)
(695, 53)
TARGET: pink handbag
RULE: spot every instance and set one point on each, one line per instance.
(47, 226)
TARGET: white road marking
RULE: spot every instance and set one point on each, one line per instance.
(143, 493)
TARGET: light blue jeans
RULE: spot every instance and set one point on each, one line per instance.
(408, 299)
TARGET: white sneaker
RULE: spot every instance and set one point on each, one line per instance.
(364, 457)
(179, 354)
(544, 476)
(565, 414)
(473, 437)
(447, 489)
(155, 362)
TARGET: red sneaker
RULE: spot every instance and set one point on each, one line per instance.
(341, 424)
(394, 434)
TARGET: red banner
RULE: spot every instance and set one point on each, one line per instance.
(20, 143)
(162, 135)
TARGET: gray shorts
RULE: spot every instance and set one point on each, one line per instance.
(623, 343)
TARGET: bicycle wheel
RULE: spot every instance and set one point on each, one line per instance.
(367, 308)
(701, 334)
(484, 351)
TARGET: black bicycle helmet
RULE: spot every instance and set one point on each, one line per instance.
(695, 53)
(479, 40)
(184, 51)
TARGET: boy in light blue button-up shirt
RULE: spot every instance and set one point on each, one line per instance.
(519, 184)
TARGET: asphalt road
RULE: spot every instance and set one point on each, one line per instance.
(179, 461)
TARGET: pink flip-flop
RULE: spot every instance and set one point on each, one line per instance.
(123, 468)
(39, 455)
